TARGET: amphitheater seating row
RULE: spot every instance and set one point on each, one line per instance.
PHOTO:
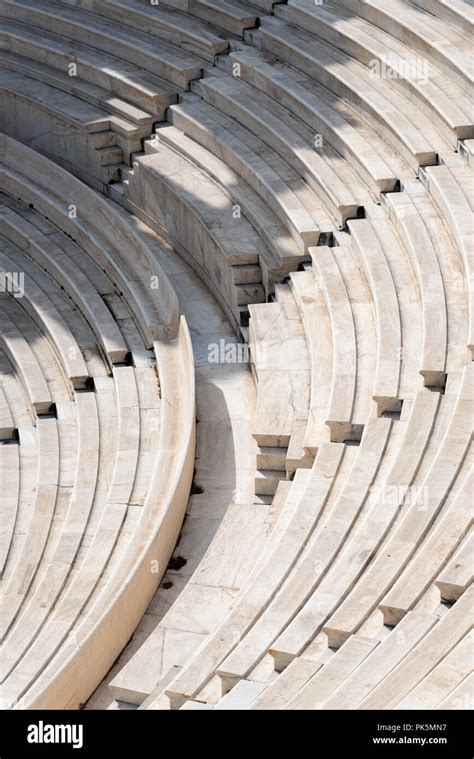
(199, 217)
(169, 25)
(288, 153)
(269, 120)
(112, 37)
(381, 510)
(458, 13)
(444, 45)
(254, 643)
(349, 591)
(104, 239)
(122, 80)
(100, 417)
(373, 46)
(246, 154)
(66, 272)
(19, 352)
(9, 467)
(104, 83)
(232, 17)
(346, 78)
(342, 681)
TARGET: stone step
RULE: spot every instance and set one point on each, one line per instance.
(271, 458)
(266, 481)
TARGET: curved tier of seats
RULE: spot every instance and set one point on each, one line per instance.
(232, 17)
(18, 452)
(92, 221)
(73, 69)
(198, 216)
(105, 390)
(313, 172)
(106, 72)
(456, 12)
(243, 154)
(443, 44)
(372, 45)
(385, 313)
(136, 47)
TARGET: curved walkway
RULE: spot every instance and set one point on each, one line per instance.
(225, 472)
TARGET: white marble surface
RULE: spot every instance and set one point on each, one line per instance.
(225, 461)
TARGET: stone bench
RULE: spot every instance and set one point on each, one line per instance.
(347, 78)
(367, 534)
(387, 310)
(278, 354)
(164, 60)
(242, 696)
(130, 123)
(43, 311)
(427, 654)
(7, 426)
(423, 254)
(321, 550)
(27, 563)
(408, 535)
(245, 534)
(9, 499)
(68, 275)
(86, 497)
(460, 697)
(466, 149)
(281, 690)
(264, 5)
(114, 75)
(170, 26)
(422, 571)
(47, 593)
(455, 12)
(231, 16)
(399, 275)
(452, 190)
(179, 198)
(273, 567)
(282, 253)
(40, 116)
(103, 231)
(340, 418)
(128, 435)
(60, 623)
(267, 119)
(317, 325)
(334, 673)
(314, 105)
(443, 679)
(380, 661)
(425, 33)
(369, 44)
(26, 364)
(245, 153)
(100, 309)
(21, 500)
(84, 627)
